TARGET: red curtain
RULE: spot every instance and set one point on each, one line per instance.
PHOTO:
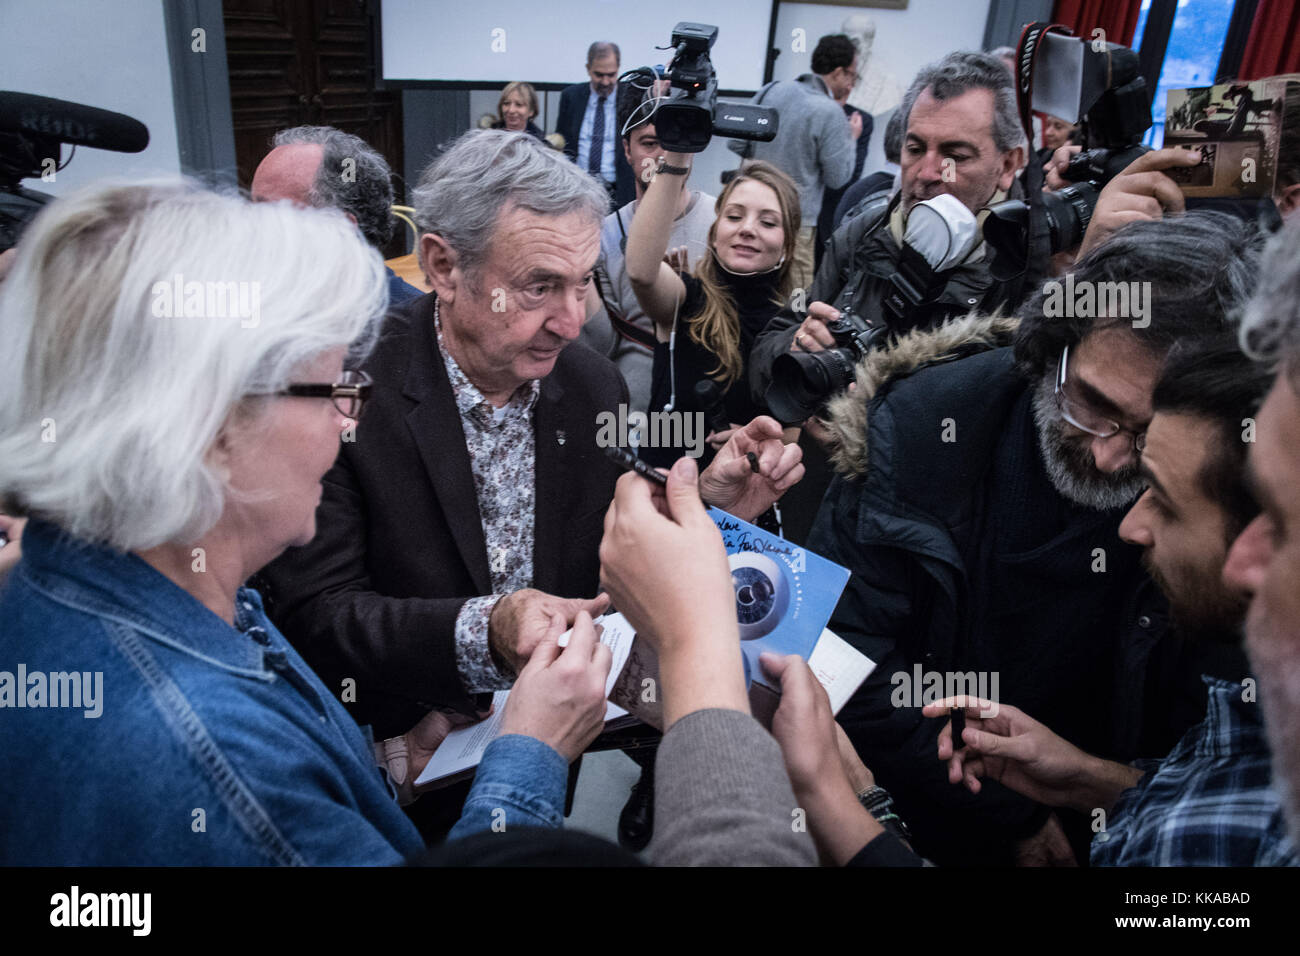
(1274, 44)
(1117, 17)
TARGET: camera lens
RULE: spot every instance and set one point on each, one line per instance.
(1068, 213)
(803, 381)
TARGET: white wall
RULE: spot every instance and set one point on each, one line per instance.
(906, 40)
(110, 55)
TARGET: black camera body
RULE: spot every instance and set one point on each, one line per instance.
(802, 382)
(691, 116)
(1115, 107)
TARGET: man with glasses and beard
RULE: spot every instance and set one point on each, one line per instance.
(982, 533)
(1210, 801)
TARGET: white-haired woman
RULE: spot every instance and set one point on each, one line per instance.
(172, 390)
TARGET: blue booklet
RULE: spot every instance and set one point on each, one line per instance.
(784, 593)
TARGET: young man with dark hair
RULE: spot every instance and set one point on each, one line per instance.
(1209, 802)
(814, 142)
(624, 332)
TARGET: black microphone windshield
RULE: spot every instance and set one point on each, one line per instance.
(71, 123)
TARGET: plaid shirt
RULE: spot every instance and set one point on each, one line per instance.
(1209, 803)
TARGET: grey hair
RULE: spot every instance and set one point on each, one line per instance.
(462, 193)
(113, 392)
(966, 70)
(893, 141)
(600, 48)
(365, 190)
(1200, 268)
(1270, 321)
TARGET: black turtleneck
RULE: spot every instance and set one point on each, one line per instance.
(754, 297)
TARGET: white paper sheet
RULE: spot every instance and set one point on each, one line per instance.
(463, 748)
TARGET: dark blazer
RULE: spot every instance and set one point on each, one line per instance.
(399, 544)
(573, 106)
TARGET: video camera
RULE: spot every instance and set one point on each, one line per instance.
(690, 115)
(33, 130)
(1090, 82)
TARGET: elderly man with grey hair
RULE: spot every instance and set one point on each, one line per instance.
(463, 522)
(327, 168)
(1265, 559)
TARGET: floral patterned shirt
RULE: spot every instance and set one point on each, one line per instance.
(502, 455)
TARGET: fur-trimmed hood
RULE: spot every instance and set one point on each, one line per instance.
(847, 416)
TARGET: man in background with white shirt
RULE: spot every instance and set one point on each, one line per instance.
(588, 121)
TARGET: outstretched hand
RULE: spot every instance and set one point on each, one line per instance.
(1005, 744)
(731, 483)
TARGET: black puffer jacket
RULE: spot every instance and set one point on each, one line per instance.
(965, 559)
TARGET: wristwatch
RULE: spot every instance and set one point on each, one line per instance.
(663, 167)
(877, 801)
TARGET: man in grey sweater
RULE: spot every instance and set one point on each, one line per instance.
(814, 142)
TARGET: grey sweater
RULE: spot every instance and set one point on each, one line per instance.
(722, 797)
(813, 144)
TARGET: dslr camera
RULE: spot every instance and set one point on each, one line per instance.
(802, 382)
(690, 116)
(1096, 84)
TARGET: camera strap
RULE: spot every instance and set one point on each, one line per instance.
(1038, 247)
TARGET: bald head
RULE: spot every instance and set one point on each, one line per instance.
(288, 172)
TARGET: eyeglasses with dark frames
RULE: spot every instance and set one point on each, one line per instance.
(1084, 418)
(349, 393)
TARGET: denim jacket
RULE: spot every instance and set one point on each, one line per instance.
(137, 727)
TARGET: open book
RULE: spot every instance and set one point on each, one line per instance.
(463, 748)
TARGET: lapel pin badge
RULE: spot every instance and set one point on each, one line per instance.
(560, 437)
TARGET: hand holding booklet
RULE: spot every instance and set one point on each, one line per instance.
(784, 597)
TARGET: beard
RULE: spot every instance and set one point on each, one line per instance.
(1278, 673)
(1202, 609)
(1070, 465)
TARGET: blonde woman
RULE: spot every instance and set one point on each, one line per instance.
(706, 321)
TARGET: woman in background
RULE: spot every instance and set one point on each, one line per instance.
(517, 109)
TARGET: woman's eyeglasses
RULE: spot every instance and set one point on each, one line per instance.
(349, 393)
